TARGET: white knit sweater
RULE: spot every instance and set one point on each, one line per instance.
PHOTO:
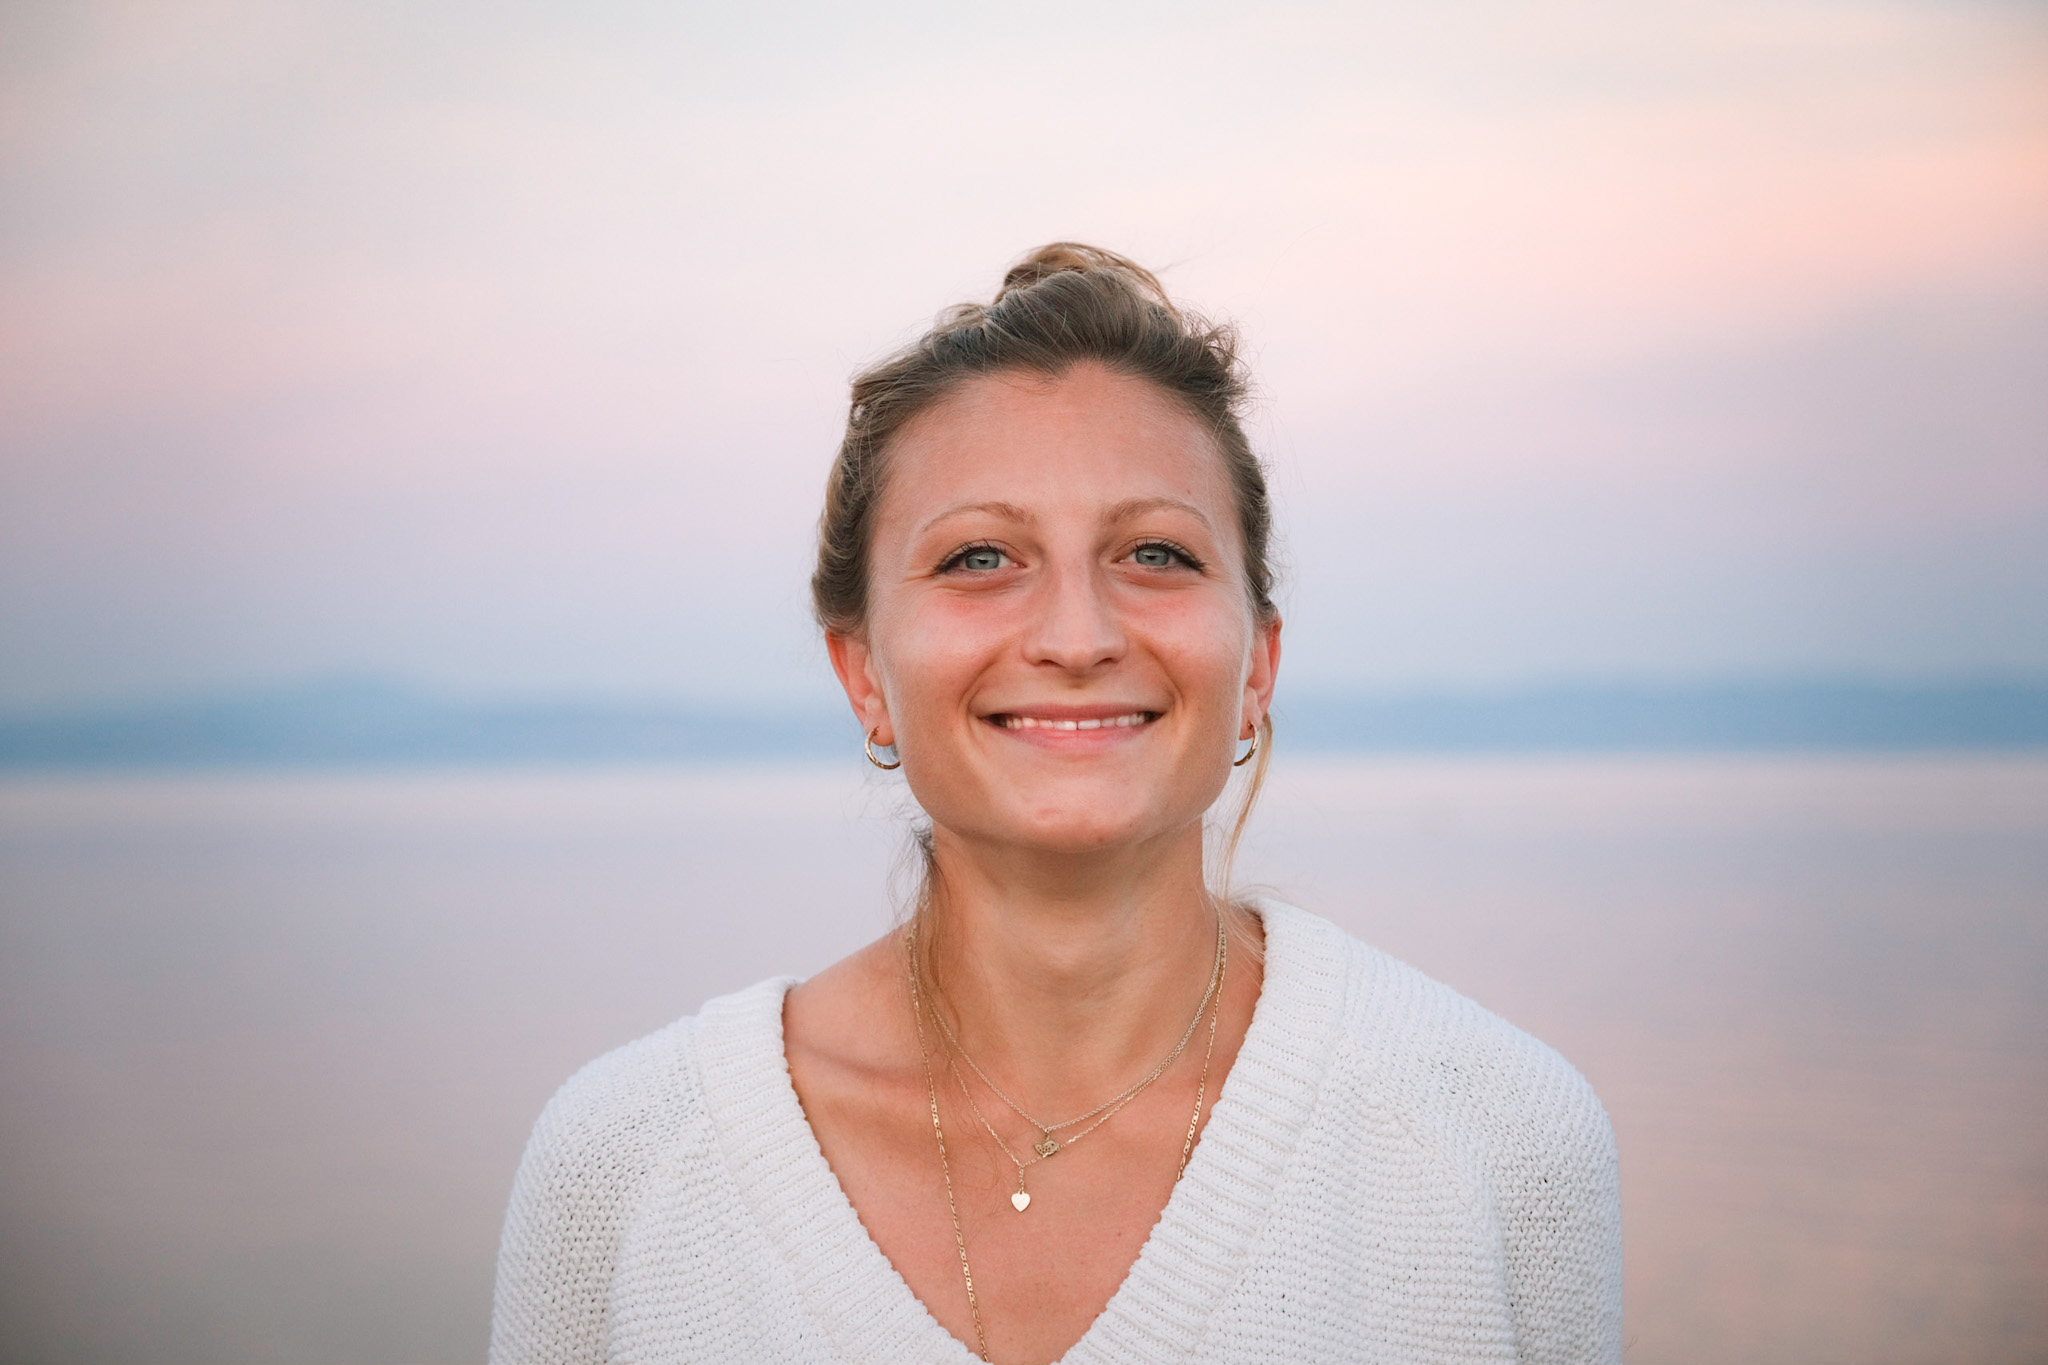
(1390, 1174)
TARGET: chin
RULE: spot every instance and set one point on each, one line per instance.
(1064, 810)
(1091, 822)
(1081, 839)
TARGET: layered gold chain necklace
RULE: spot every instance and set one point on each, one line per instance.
(1048, 1144)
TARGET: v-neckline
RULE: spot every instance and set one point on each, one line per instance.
(1193, 1254)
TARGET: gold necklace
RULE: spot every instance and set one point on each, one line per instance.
(931, 1091)
(1020, 1198)
(932, 1094)
(1049, 1145)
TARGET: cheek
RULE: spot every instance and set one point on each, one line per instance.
(1204, 646)
(928, 656)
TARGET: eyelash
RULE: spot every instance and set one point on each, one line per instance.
(954, 560)
(1180, 552)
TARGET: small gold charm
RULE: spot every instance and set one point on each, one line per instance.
(1021, 1200)
(1046, 1145)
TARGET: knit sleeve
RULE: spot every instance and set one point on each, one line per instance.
(1560, 1206)
(589, 1154)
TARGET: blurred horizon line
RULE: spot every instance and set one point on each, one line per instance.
(348, 721)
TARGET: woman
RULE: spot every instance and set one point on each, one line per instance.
(1080, 1108)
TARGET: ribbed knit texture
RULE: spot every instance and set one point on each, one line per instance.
(1390, 1174)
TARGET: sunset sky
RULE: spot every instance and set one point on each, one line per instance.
(502, 348)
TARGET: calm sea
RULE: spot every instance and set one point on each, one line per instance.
(269, 1045)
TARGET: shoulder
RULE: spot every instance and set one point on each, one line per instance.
(603, 1131)
(1509, 1112)
(627, 1102)
(1430, 1049)
(612, 1116)
(615, 1123)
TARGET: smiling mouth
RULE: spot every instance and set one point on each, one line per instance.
(1125, 721)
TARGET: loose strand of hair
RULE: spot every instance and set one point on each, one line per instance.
(1225, 888)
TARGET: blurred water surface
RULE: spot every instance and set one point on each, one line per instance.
(269, 1044)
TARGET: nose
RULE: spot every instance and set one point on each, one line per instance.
(1076, 626)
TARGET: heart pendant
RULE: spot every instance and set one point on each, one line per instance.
(1021, 1200)
(1046, 1146)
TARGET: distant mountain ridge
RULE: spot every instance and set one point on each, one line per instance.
(1709, 717)
(372, 723)
(369, 722)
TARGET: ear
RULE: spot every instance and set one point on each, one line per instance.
(855, 665)
(1264, 672)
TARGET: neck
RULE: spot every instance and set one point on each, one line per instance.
(1067, 977)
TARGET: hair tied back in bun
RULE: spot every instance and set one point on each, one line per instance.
(1064, 304)
(1057, 258)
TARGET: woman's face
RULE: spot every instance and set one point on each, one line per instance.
(1060, 643)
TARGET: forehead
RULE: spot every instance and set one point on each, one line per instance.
(1084, 439)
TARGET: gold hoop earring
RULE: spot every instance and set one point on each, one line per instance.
(1248, 753)
(870, 747)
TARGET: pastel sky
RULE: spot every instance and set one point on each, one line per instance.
(502, 348)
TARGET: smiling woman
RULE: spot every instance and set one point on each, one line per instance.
(1086, 1106)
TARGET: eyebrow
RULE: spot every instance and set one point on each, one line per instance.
(1123, 511)
(1133, 507)
(1008, 511)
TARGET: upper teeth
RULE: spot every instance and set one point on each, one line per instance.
(1093, 723)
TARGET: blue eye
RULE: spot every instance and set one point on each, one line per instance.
(1164, 554)
(978, 559)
